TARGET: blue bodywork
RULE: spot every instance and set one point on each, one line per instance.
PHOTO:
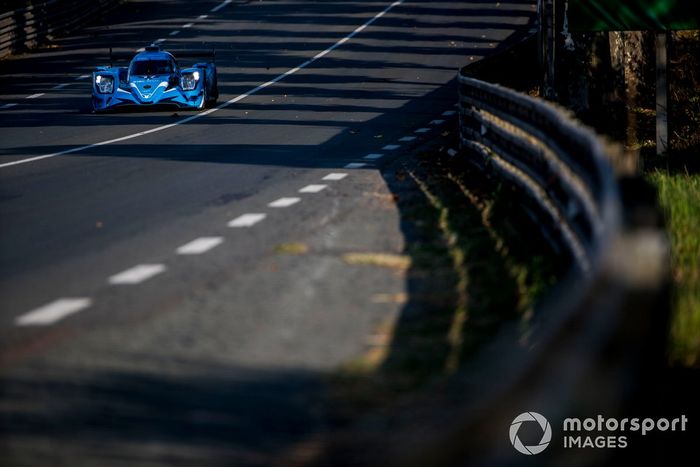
(154, 78)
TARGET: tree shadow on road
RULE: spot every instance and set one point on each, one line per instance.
(476, 265)
(196, 415)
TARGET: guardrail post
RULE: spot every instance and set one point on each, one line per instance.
(548, 25)
(661, 93)
(31, 26)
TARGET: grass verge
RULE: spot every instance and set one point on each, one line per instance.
(677, 179)
(679, 196)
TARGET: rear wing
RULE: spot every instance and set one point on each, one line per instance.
(194, 53)
(177, 54)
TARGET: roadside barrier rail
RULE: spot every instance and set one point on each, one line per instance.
(563, 167)
(594, 345)
(28, 27)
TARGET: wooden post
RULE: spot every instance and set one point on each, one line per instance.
(541, 53)
(661, 93)
(634, 59)
(550, 34)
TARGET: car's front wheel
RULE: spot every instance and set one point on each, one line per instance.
(205, 96)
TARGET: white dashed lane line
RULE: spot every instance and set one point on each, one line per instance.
(200, 245)
(159, 41)
(335, 176)
(247, 220)
(174, 33)
(437, 122)
(82, 77)
(284, 202)
(219, 7)
(373, 156)
(188, 25)
(34, 96)
(391, 147)
(313, 188)
(217, 108)
(137, 274)
(448, 113)
(61, 308)
(8, 106)
(59, 86)
(52, 312)
(203, 17)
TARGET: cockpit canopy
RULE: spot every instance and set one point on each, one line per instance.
(151, 67)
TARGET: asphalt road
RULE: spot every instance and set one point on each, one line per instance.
(143, 321)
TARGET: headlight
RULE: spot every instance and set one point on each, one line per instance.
(105, 84)
(189, 81)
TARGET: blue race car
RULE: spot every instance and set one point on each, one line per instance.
(153, 78)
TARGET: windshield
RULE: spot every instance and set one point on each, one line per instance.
(151, 68)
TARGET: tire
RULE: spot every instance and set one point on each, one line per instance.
(205, 98)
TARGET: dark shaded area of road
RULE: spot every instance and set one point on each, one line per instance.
(224, 359)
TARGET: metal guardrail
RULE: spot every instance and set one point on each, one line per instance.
(593, 344)
(563, 167)
(28, 27)
(603, 330)
(600, 335)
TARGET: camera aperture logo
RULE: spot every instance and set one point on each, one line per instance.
(591, 433)
(546, 433)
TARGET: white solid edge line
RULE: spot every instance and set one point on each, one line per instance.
(137, 274)
(247, 220)
(199, 245)
(219, 7)
(335, 176)
(373, 156)
(313, 188)
(219, 107)
(355, 165)
(52, 312)
(284, 202)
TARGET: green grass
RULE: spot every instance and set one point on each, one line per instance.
(679, 195)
